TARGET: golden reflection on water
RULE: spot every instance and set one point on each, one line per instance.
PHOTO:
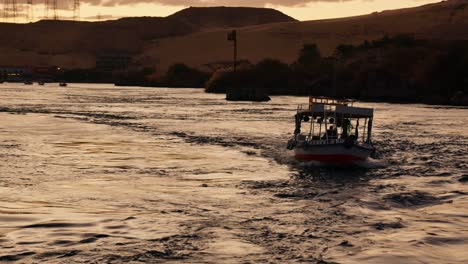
(153, 174)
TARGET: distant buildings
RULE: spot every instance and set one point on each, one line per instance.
(15, 74)
(21, 74)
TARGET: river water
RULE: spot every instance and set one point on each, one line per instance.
(95, 173)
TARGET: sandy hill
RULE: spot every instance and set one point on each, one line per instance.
(225, 17)
(197, 36)
(75, 44)
(444, 20)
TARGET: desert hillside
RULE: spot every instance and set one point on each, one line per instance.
(71, 44)
(197, 36)
(445, 20)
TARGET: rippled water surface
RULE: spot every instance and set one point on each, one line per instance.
(96, 173)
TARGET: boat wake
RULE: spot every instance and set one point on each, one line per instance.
(154, 175)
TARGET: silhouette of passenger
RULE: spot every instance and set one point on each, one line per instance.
(332, 133)
(346, 127)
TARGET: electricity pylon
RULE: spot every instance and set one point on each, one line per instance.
(54, 7)
(30, 10)
(10, 10)
(76, 10)
(46, 8)
(50, 5)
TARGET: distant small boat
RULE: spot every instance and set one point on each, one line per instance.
(40, 83)
(28, 83)
(63, 84)
(330, 139)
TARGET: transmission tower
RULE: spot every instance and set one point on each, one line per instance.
(30, 10)
(46, 9)
(50, 5)
(76, 10)
(10, 10)
(54, 7)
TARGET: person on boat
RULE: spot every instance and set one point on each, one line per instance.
(346, 128)
(297, 131)
(332, 133)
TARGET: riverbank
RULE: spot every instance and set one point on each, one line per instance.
(393, 69)
(398, 69)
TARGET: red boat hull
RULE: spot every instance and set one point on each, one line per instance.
(333, 153)
(329, 158)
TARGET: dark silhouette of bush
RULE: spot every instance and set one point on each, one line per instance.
(182, 76)
(344, 51)
(242, 84)
(397, 69)
(134, 77)
(399, 40)
(268, 74)
(253, 82)
(450, 71)
(178, 75)
(309, 75)
(223, 81)
(273, 75)
(309, 55)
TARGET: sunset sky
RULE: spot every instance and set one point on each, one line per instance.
(299, 9)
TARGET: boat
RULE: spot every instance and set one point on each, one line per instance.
(28, 83)
(63, 84)
(41, 83)
(338, 133)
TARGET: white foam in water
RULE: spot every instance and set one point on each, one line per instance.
(367, 164)
(182, 175)
(371, 163)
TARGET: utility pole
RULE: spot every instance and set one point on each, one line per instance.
(232, 36)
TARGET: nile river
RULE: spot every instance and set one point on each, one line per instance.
(96, 173)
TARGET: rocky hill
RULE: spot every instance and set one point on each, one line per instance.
(197, 36)
(73, 44)
(446, 20)
(228, 17)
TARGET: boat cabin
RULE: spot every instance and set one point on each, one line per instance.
(333, 121)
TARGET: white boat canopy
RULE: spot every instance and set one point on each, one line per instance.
(339, 110)
(355, 112)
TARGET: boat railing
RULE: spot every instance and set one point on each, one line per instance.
(329, 101)
(334, 141)
(326, 141)
(318, 108)
(329, 108)
(302, 108)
